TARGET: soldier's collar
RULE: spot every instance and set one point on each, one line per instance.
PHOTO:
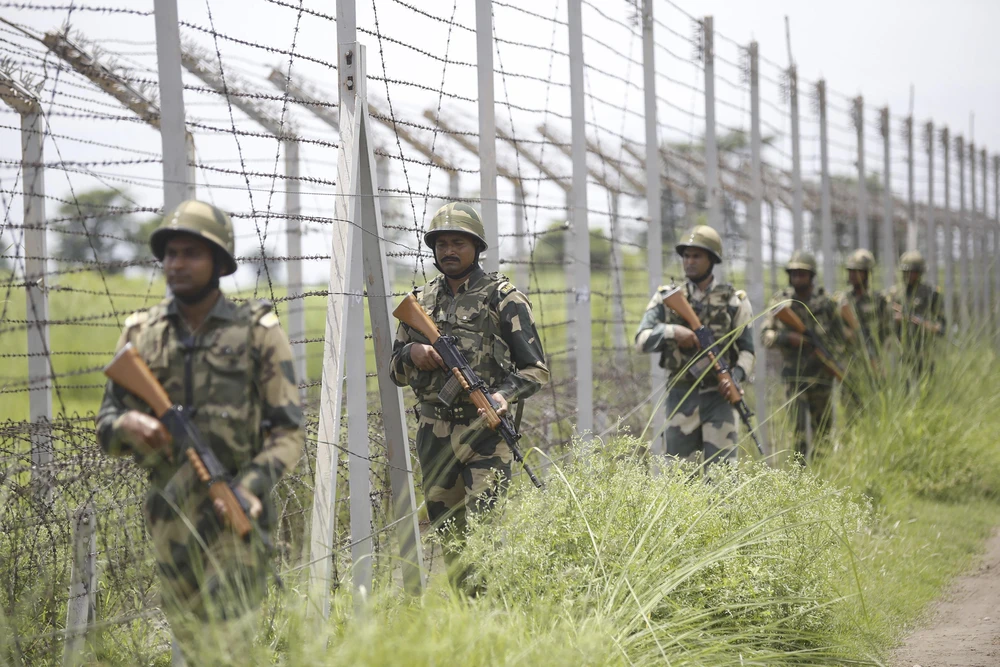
(470, 280)
(224, 309)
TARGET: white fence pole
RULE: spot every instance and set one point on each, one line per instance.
(487, 132)
(798, 225)
(581, 233)
(826, 216)
(755, 256)
(931, 242)
(864, 235)
(177, 183)
(82, 605)
(888, 245)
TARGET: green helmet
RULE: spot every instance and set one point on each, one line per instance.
(861, 260)
(912, 260)
(198, 219)
(457, 217)
(703, 237)
(801, 261)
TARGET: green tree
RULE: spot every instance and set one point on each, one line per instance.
(96, 227)
(550, 247)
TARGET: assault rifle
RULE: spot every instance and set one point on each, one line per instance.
(412, 314)
(130, 372)
(790, 319)
(677, 302)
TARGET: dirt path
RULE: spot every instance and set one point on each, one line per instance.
(964, 627)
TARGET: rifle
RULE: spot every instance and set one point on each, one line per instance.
(850, 317)
(411, 313)
(130, 372)
(790, 319)
(677, 302)
(933, 327)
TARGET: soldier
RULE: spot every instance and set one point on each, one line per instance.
(808, 382)
(230, 367)
(859, 306)
(701, 420)
(465, 465)
(917, 311)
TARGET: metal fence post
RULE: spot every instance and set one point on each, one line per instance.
(331, 390)
(654, 235)
(826, 215)
(949, 238)
(798, 226)
(293, 241)
(864, 235)
(177, 183)
(911, 206)
(975, 245)
(82, 606)
(888, 245)
(521, 277)
(487, 131)
(40, 371)
(755, 256)
(713, 191)
(617, 276)
(581, 245)
(996, 232)
(989, 245)
(963, 236)
(931, 241)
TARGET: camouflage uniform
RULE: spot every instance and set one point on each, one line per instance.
(466, 466)
(699, 418)
(807, 380)
(926, 303)
(235, 377)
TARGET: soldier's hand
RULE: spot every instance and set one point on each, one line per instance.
(146, 434)
(728, 389)
(425, 357)
(685, 338)
(254, 506)
(502, 406)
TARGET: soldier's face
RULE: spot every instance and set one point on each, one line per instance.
(454, 252)
(697, 262)
(187, 263)
(800, 279)
(857, 278)
(911, 277)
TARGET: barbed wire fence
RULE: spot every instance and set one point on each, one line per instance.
(616, 125)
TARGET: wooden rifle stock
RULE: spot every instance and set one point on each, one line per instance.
(129, 371)
(933, 327)
(850, 317)
(410, 312)
(791, 319)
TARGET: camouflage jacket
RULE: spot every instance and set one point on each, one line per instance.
(924, 302)
(818, 313)
(235, 375)
(872, 313)
(496, 332)
(721, 308)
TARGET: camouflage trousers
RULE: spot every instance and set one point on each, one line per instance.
(812, 406)
(466, 467)
(210, 579)
(703, 423)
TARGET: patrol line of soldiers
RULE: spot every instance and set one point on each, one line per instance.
(702, 424)
(230, 367)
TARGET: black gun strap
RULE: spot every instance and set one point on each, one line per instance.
(518, 413)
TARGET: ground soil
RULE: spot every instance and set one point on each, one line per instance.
(963, 628)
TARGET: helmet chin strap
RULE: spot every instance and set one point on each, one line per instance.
(697, 280)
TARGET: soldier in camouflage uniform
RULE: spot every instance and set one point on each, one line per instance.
(230, 366)
(871, 315)
(918, 312)
(465, 465)
(808, 382)
(701, 420)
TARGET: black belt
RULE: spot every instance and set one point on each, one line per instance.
(463, 412)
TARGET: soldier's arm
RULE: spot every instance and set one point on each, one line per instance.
(517, 328)
(743, 325)
(771, 333)
(283, 435)
(113, 409)
(654, 334)
(937, 311)
(401, 368)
